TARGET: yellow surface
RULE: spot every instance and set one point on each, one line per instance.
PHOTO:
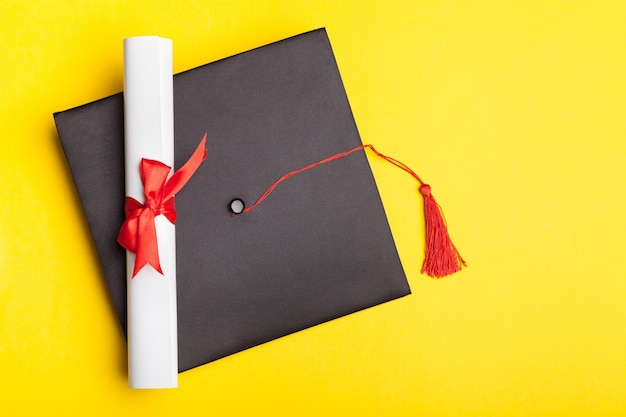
(514, 111)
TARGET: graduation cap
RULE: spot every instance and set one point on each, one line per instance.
(313, 243)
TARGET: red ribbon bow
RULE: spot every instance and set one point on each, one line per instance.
(138, 233)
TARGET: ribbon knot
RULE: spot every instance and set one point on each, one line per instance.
(153, 205)
(138, 233)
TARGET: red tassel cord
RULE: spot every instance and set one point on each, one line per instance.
(441, 256)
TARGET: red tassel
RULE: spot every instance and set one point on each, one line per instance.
(441, 257)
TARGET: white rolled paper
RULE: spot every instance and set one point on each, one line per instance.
(149, 133)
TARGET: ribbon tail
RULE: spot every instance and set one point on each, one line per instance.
(147, 249)
(180, 177)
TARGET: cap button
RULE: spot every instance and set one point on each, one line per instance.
(237, 206)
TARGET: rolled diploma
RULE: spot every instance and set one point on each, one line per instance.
(149, 133)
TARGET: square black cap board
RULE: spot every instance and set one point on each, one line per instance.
(319, 247)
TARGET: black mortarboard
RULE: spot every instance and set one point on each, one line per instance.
(318, 248)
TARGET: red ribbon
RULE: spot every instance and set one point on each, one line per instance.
(138, 233)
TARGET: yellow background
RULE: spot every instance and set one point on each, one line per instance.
(514, 111)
